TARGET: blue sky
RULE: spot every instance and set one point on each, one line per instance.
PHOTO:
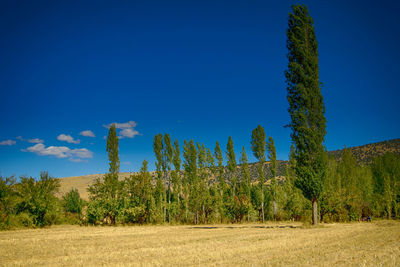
(201, 70)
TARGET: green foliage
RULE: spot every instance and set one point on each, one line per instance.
(258, 143)
(272, 155)
(107, 195)
(231, 164)
(386, 181)
(139, 195)
(112, 149)
(348, 190)
(72, 202)
(37, 198)
(158, 151)
(306, 107)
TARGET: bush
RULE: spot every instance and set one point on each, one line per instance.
(72, 202)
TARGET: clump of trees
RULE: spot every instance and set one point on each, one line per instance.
(32, 203)
(206, 191)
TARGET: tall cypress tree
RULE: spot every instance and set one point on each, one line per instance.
(306, 106)
(258, 144)
(111, 179)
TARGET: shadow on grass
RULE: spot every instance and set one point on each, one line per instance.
(241, 227)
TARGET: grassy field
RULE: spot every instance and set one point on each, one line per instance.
(373, 244)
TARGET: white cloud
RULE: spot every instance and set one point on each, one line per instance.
(68, 138)
(126, 162)
(77, 160)
(61, 152)
(129, 124)
(56, 151)
(87, 133)
(7, 143)
(129, 133)
(35, 140)
(81, 153)
(127, 129)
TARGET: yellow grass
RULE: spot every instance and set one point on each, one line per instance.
(357, 244)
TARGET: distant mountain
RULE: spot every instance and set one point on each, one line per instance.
(366, 153)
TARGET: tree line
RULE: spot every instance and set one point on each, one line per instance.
(195, 187)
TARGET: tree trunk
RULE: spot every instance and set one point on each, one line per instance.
(314, 212)
(169, 202)
(262, 211)
(262, 203)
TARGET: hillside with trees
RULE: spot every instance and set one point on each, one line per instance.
(366, 153)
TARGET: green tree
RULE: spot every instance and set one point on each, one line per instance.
(37, 198)
(106, 195)
(8, 201)
(192, 190)
(140, 205)
(231, 164)
(221, 181)
(73, 202)
(112, 149)
(258, 143)
(272, 156)
(306, 107)
(275, 189)
(158, 147)
(176, 174)
(168, 154)
(386, 181)
(246, 180)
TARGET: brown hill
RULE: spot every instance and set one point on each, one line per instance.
(366, 153)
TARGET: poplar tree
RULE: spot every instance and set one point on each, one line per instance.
(202, 164)
(272, 162)
(190, 165)
(168, 154)
(104, 195)
(218, 156)
(231, 164)
(272, 156)
(246, 182)
(258, 143)
(160, 166)
(176, 178)
(111, 180)
(112, 149)
(221, 180)
(306, 106)
(210, 162)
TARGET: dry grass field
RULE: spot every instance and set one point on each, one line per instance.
(358, 244)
